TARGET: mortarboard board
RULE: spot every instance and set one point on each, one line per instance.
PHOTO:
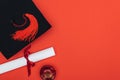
(21, 23)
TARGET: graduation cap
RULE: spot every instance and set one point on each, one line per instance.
(20, 23)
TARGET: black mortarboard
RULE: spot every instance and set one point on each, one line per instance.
(20, 23)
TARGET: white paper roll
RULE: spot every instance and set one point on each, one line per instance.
(20, 62)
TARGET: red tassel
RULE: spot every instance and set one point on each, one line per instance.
(29, 33)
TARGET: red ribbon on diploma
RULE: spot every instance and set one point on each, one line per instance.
(29, 63)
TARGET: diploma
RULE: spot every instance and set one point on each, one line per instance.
(20, 62)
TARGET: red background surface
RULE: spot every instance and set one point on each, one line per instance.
(86, 38)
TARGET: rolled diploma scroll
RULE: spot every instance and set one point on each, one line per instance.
(20, 62)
